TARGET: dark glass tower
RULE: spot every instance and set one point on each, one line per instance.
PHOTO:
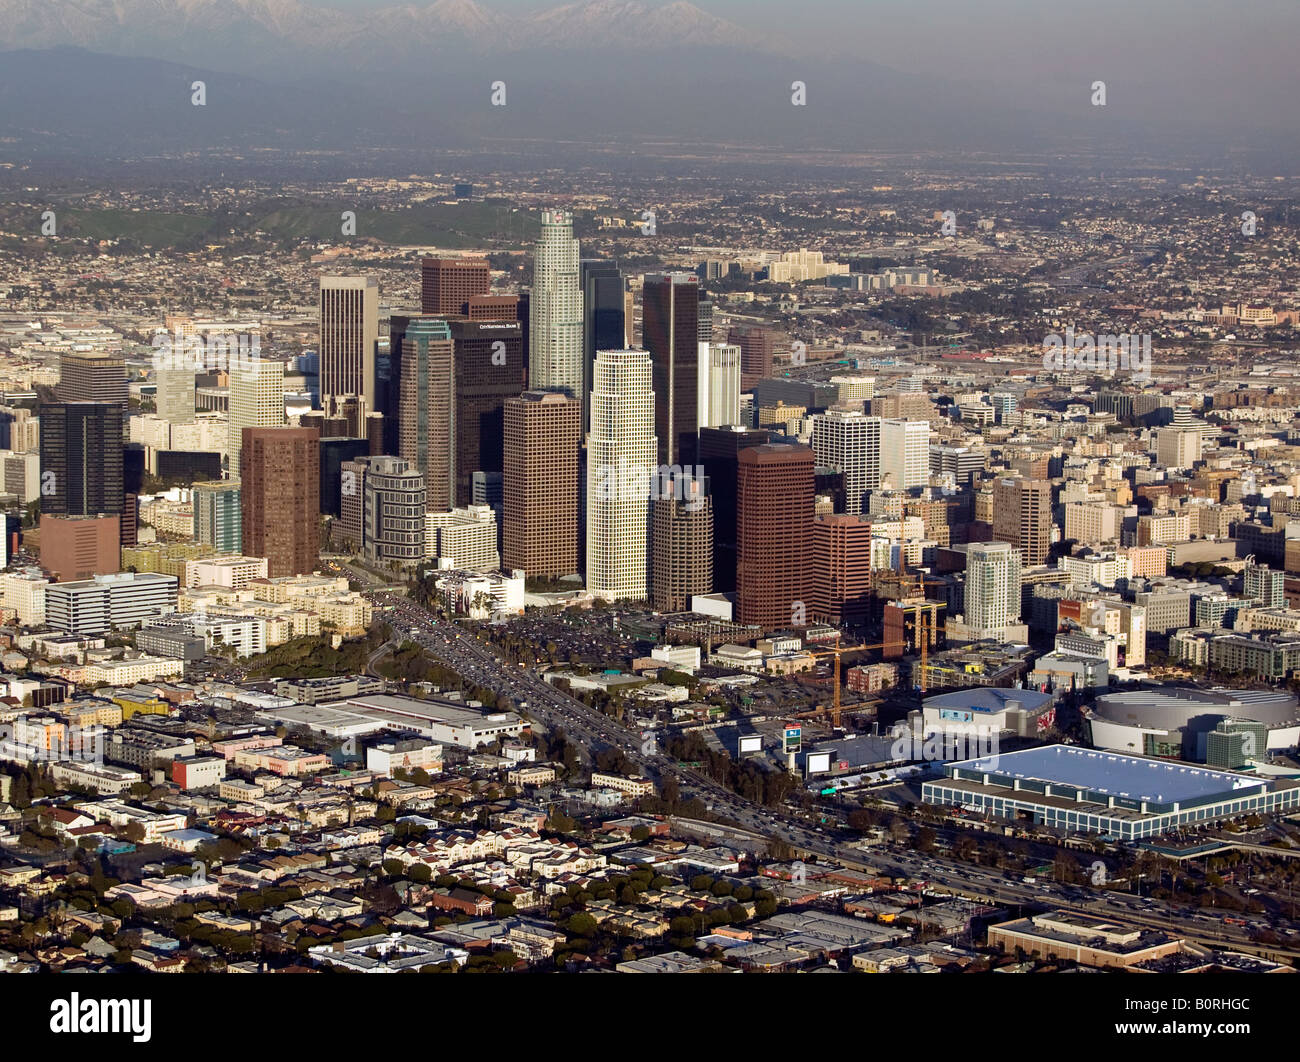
(602, 320)
(81, 459)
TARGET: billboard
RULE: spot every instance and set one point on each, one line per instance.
(793, 738)
(751, 743)
(818, 763)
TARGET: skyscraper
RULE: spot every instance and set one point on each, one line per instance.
(905, 452)
(427, 406)
(621, 453)
(757, 346)
(1022, 516)
(719, 387)
(393, 510)
(218, 515)
(681, 544)
(840, 589)
(774, 533)
(93, 377)
(349, 327)
(670, 332)
(602, 320)
(850, 442)
(992, 586)
(489, 368)
(555, 309)
(81, 459)
(174, 394)
(447, 284)
(256, 401)
(280, 498)
(539, 484)
(333, 452)
(719, 450)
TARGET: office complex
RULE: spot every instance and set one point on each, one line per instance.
(280, 496)
(333, 453)
(840, 590)
(850, 442)
(427, 406)
(1022, 516)
(670, 332)
(540, 483)
(774, 517)
(603, 323)
(719, 385)
(174, 394)
(621, 459)
(447, 284)
(904, 453)
(757, 347)
(218, 516)
(78, 547)
(93, 377)
(393, 513)
(489, 368)
(256, 401)
(349, 327)
(681, 543)
(555, 309)
(108, 602)
(81, 459)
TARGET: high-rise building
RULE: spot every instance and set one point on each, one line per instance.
(603, 325)
(704, 315)
(555, 309)
(1265, 585)
(280, 497)
(905, 452)
(719, 449)
(427, 407)
(681, 543)
(850, 442)
(349, 327)
(774, 532)
(93, 377)
(992, 586)
(1022, 516)
(333, 453)
(174, 394)
(393, 513)
(256, 401)
(840, 589)
(621, 455)
(539, 483)
(757, 347)
(489, 368)
(447, 284)
(78, 547)
(719, 386)
(349, 529)
(670, 332)
(81, 459)
(218, 515)
(1178, 448)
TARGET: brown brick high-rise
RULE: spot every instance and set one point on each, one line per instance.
(841, 563)
(540, 483)
(280, 496)
(1022, 516)
(447, 284)
(774, 502)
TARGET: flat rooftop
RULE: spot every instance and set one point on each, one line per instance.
(1113, 774)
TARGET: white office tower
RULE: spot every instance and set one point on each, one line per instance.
(349, 327)
(854, 388)
(555, 309)
(621, 453)
(719, 388)
(256, 401)
(174, 395)
(992, 586)
(905, 452)
(849, 442)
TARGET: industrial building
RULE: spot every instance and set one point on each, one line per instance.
(446, 722)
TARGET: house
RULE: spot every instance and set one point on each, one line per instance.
(462, 900)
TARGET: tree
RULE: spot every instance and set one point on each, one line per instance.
(581, 925)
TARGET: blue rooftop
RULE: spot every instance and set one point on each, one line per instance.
(1114, 774)
(988, 699)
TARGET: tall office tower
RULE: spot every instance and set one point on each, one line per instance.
(256, 401)
(393, 510)
(91, 377)
(81, 459)
(447, 284)
(280, 497)
(489, 368)
(539, 483)
(174, 396)
(719, 450)
(1022, 516)
(333, 452)
(1003, 404)
(850, 442)
(349, 326)
(774, 502)
(962, 462)
(841, 576)
(704, 315)
(992, 585)
(493, 308)
(1178, 448)
(555, 309)
(218, 516)
(905, 453)
(681, 544)
(603, 325)
(621, 454)
(670, 304)
(427, 407)
(486, 489)
(757, 346)
(719, 386)
(349, 530)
